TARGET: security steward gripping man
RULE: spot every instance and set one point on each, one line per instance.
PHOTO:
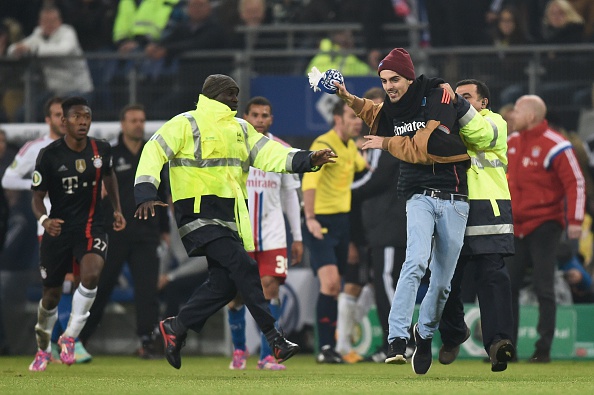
(489, 235)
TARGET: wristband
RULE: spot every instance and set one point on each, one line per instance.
(42, 218)
(312, 217)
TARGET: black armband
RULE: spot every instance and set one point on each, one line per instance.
(301, 162)
(145, 192)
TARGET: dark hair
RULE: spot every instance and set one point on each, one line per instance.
(375, 93)
(257, 101)
(481, 88)
(73, 101)
(50, 8)
(338, 108)
(520, 34)
(48, 105)
(130, 107)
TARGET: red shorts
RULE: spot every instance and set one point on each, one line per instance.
(272, 263)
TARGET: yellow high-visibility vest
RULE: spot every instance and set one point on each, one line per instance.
(209, 153)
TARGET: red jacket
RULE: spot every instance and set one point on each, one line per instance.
(544, 176)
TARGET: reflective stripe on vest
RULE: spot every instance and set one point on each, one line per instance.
(200, 222)
(198, 161)
(481, 161)
(484, 230)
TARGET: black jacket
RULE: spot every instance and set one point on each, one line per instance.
(383, 213)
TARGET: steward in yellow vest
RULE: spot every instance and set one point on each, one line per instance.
(147, 20)
(210, 152)
(489, 235)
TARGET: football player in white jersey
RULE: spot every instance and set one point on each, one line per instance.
(269, 196)
(18, 177)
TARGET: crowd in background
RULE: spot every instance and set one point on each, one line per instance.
(151, 36)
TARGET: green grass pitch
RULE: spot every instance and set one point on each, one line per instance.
(210, 375)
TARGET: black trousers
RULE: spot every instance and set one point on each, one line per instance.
(143, 261)
(494, 295)
(539, 251)
(386, 265)
(230, 270)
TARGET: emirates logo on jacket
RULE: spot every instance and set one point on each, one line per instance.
(408, 127)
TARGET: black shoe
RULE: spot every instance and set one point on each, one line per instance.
(540, 357)
(396, 352)
(172, 341)
(500, 354)
(422, 357)
(284, 349)
(448, 354)
(328, 355)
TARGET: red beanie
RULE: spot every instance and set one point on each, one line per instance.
(398, 60)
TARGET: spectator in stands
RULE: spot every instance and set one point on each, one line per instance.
(11, 86)
(586, 9)
(332, 55)
(25, 12)
(510, 30)
(64, 76)
(137, 23)
(445, 24)
(375, 14)
(562, 24)
(330, 11)
(93, 21)
(547, 194)
(285, 11)
(198, 31)
(251, 14)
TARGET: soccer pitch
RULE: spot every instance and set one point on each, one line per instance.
(210, 375)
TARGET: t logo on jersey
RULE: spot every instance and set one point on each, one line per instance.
(81, 165)
(70, 183)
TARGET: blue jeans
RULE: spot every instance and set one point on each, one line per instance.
(445, 221)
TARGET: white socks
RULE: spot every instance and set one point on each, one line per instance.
(82, 300)
(46, 319)
(347, 306)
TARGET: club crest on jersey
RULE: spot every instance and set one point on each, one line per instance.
(535, 151)
(36, 178)
(97, 162)
(80, 165)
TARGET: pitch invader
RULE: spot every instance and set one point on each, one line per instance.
(71, 171)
